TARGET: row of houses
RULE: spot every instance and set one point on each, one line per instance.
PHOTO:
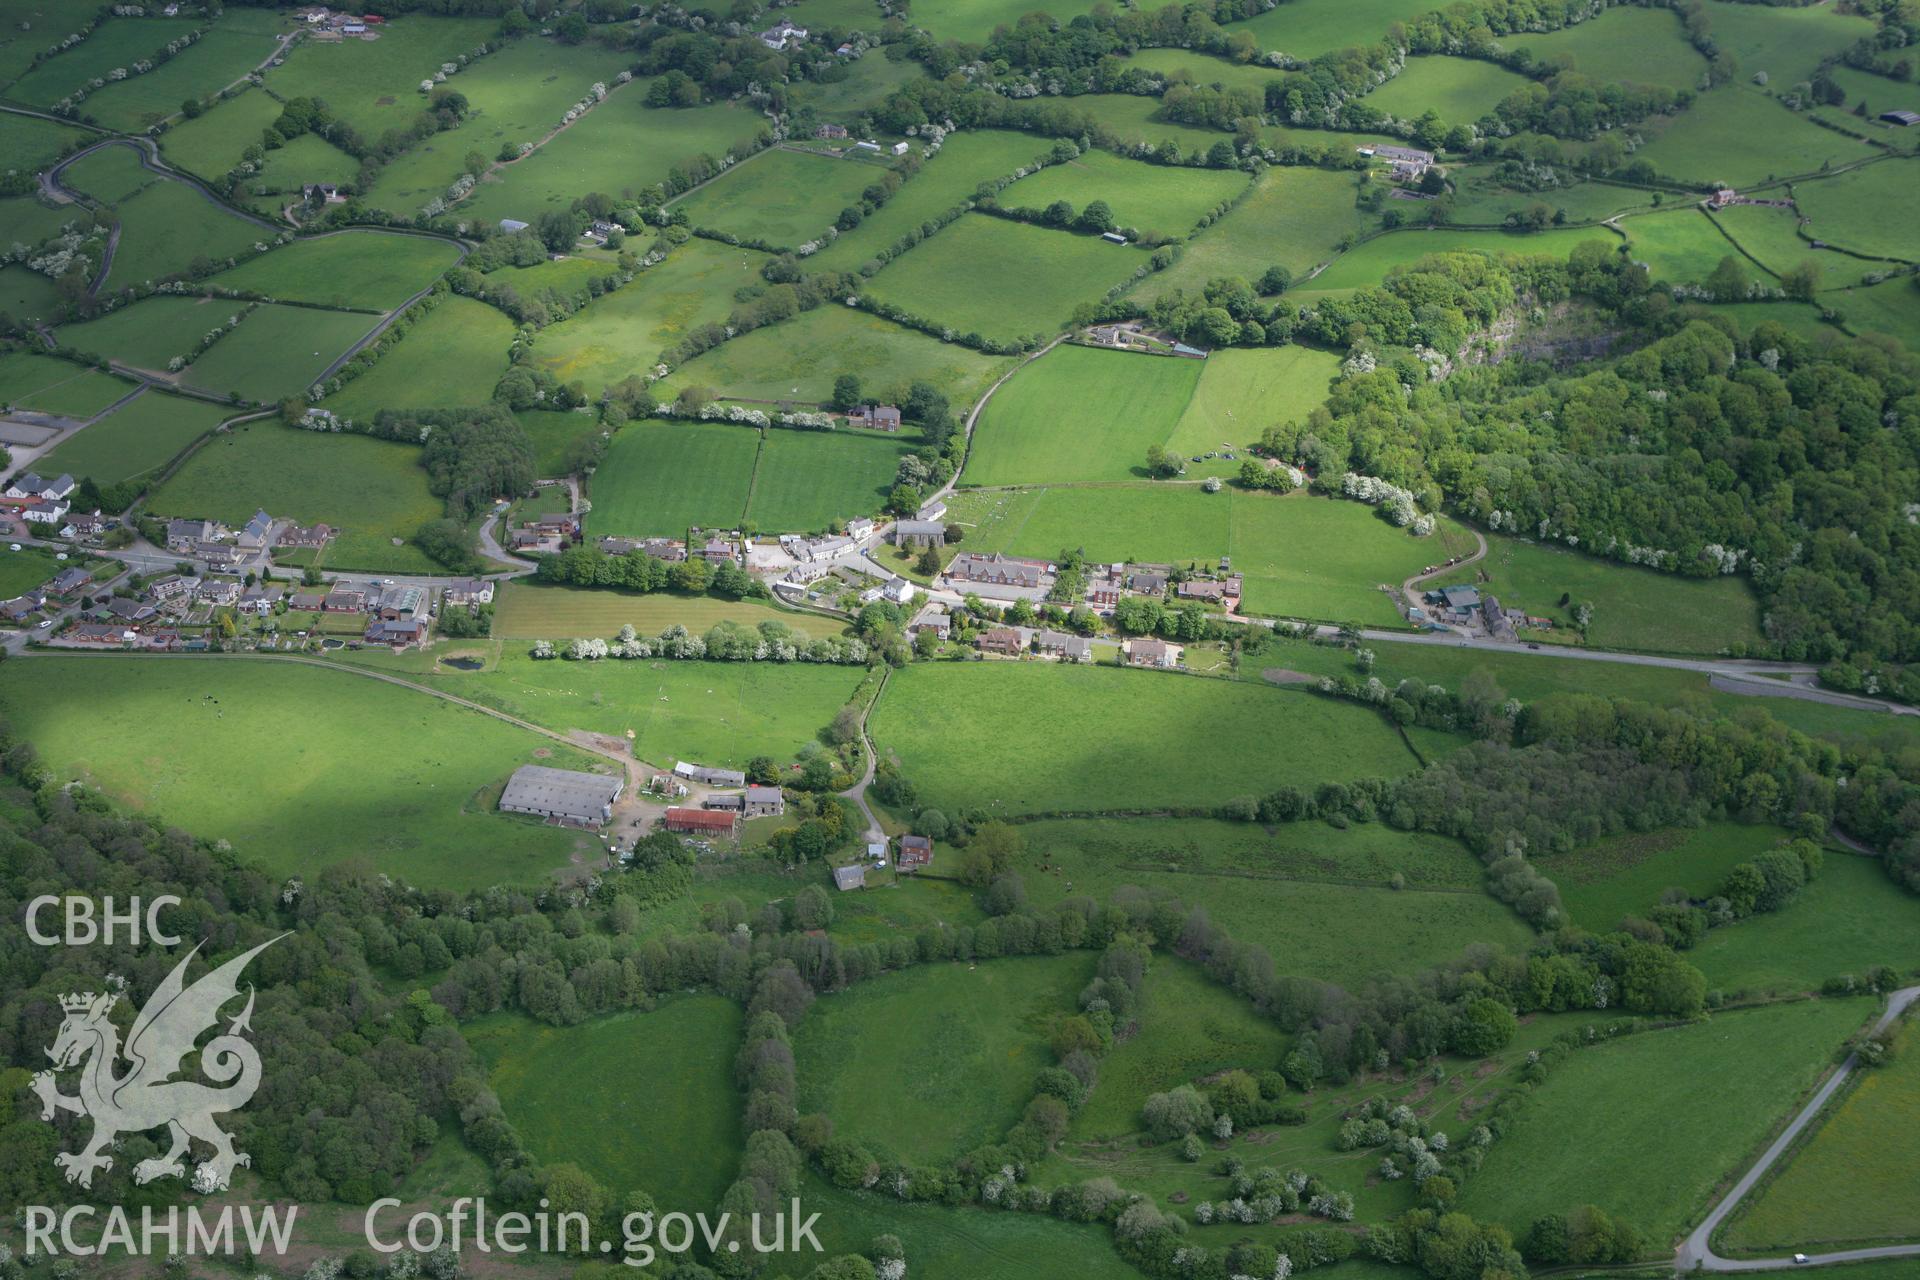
(1015, 642)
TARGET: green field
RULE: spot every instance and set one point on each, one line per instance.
(1462, 90)
(1369, 263)
(1134, 119)
(1768, 235)
(27, 295)
(211, 144)
(1190, 1027)
(1295, 218)
(1244, 390)
(29, 142)
(372, 491)
(667, 1073)
(368, 269)
(1633, 608)
(1199, 68)
(1849, 1180)
(1625, 875)
(32, 381)
(1892, 308)
(110, 174)
(1654, 1121)
(620, 147)
(718, 713)
(115, 44)
(1626, 44)
(806, 479)
(374, 85)
(1858, 210)
(453, 355)
(169, 227)
(1788, 45)
(211, 63)
(957, 279)
(1737, 136)
(1309, 28)
(1850, 918)
(1681, 247)
(965, 160)
(136, 438)
(783, 198)
(277, 352)
(526, 612)
(21, 572)
(934, 1061)
(1149, 197)
(1077, 414)
(799, 359)
(552, 432)
(975, 20)
(1013, 738)
(150, 332)
(308, 158)
(1318, 899)
(661, 477)
(272, 757)
(514, 95)
(621, 334)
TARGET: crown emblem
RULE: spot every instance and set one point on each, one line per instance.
(78, 1002)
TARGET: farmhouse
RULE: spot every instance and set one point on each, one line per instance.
(998, 570)
(31, 485)
(322, 193)
(879, 417)
(830, 131)
(915, 852)
(1407, 162)
(711, 777)
(561, 795)
(919, 533)
(845, 878)
(765, 802)
(298, 536)
(703, 821)
(783, 35)
(1068, 648)
(1152, 653)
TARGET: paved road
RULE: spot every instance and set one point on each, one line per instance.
(1696, 1251)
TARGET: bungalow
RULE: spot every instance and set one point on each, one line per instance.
(703, 821)
(32, 485)
(915, 852)
(307, 602)
(934, 618)
(1008, 642)
(127, 609)
(847, 878)
(919, 533)
(20, 608)
(51, 511)
(765, 802)
(185, 535)
(714, 548)
(259, 601)
(1152, 653)
(345, 600)
(997, 570)
(103, 635)
(257, 533)
(1068, 648)
(562, 795)
(400, 635)
(69, 582)
(1146, 582)
(877, 417)
(172, 586)
(301, 536)
(468, 592)
(88, 527)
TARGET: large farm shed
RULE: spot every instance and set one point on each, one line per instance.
(584, 799)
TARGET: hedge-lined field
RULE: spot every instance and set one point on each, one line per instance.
(1079, 413)
(136, 438)
(366, 269)
(452, 356)
(660, 477)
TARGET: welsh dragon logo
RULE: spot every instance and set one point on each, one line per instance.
(145, 1096)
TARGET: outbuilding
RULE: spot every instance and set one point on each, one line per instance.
(561, 795)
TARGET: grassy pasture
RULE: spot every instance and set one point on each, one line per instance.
(1633, 608)
(1737, 135)
(1851, 917)
(27, 295)
(115, 43)
(373, 491)
(150, 332)
(28, 142)
(135, 439)
(552, 433)
(1658, 1165)
(453, 355)
(1150, 523)
(514, 95)
(1199, 68)
(1625, 874)
(1462, 90)
(1293, 219)
(211, 63)
(1789, 45)
(1244, 390)
(1681, 247)
(782, 197)
(807, 479)
(166, 227)
(1079, 413)
(524, 611)
(1767, 235)
(958, 277)
(975, 20)
(109, 174)
(933, 1061)
(621, 146)
(307, 158)
(211, 144)
(1480, 201)
(1309, 28)
(799, 359)
(1627, 45)
(1316, 898)
(868, 81)
(964, 161)
(271, 756)
(1892, 308)
(374, 85)
(719, 713)
(660, 477)
(1860, 210)
(1145, 196)
(29, 28)
(277, 351)
(1849, 1180)
(666, 1072)
(1014, 738)
(23, 571)
(30, 222)
(1134, 118)
(1369, 263)
(1876, 93)
(29, 380)
(621, 334)
(1191, 1027)
(376, 269)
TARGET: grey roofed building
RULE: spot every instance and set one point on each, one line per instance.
(728, 801)
(1901, 116)
(1461, 597)
(925, 533)
(765, 802)
(584, 799)
(257, 530)
(512, 225)
(709, 775)
(845, 878)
